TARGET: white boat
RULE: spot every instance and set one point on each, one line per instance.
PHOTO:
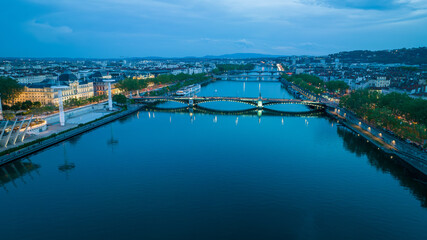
(191, 89)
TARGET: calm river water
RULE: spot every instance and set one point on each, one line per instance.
(206, 176)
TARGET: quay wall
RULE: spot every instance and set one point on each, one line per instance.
(410, 154)
(405, 151)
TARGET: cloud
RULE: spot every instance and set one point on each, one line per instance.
(364, 4)
(292, 13)
(168, 27)
(242, 43)
(284, 48)
(46, 32)
(309, 48)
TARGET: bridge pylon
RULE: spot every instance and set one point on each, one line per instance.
(259, 103)
(191, 102)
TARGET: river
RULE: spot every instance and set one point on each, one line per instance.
(157, 175)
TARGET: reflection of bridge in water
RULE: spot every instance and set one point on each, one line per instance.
(242, 75)
(259, 103)
(245, 112)
(249, 75)
(16, 170)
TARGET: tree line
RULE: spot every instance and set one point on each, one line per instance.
(316, 85)
(404, 55)
(9, 89)
(405, 116)
(77, 102)
(221, 68)
(175, 82)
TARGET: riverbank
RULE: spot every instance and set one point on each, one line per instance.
(74, 117)
(39, 144)
(388, 143)
(385, 142)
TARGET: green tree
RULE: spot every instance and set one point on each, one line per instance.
(27, 105)
(337, 86)
(9, 89)
(16, 107)
(399, 113)
(220, 68)
(120, 98)
(36, 104)
(130, 84)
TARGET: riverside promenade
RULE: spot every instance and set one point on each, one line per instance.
(64, 135)
(74, 116)
(384, 140)
(388, 143)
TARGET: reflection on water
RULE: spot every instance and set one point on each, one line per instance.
(74, 140)
(113, 141)
(17, 171)
(212, 175)
(245, 112)
(381, 161)
(67, 166)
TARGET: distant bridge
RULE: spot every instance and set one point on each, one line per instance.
(259, 103)
(261, 72)
(243, 75)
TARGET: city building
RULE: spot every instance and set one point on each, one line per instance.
(101, 88)
(382, 82)
(44, 93)
(33, 78)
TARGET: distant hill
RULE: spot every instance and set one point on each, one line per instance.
(410, 56)
(243, 56)
(225, 56)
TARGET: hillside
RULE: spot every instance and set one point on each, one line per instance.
(411, 56)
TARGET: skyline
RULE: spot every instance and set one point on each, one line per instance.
(131, 28)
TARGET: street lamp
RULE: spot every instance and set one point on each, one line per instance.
(61, 106)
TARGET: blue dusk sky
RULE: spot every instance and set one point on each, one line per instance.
(178, 28)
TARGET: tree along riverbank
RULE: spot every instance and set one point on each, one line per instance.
(382, 138)
(172, 82)
(404, 116)
(400, 114)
